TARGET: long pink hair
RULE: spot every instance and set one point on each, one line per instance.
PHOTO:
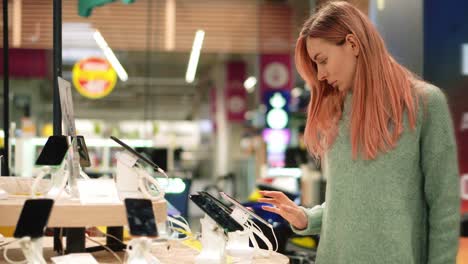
(382, 89)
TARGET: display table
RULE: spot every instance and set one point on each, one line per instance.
(171, 252)
(74, 216)
(67, 213)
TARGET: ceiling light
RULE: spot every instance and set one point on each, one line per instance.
(110, 56)
(194, 56)
(249, 84)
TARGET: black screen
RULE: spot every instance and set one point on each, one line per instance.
(140, 217)
(54, 151)
(33, 218)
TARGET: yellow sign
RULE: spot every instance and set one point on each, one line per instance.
(94, 77)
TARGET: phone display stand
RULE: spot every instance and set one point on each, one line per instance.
(32, 250)
(213, 243)
(132, 180)
(140, 252)
(238, 245)
(59, 178)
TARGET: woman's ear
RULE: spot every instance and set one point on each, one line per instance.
(352, 42)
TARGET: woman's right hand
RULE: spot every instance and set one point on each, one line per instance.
(283, 206)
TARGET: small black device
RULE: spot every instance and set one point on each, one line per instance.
(135, 153)
(54, 151)
(33, 218)
(140, 216)
(217, 213)
(83, 152)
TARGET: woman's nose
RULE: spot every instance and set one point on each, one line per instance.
(321, 75)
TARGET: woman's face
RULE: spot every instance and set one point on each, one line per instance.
(336, 64)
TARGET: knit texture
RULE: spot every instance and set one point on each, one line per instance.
(403, 206)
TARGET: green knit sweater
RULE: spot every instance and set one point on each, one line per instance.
(403, 207)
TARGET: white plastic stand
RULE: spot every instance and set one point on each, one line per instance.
(239, 242)
(213, 243)
(238, 246)
(140, 252)
(132, 181)
(32, 250)
(58, 181)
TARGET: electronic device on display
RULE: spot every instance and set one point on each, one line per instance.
(140, 216)
(244, 209)
(142, 224)
(54, 151)
(132, 178)
(219, 214)
(30, 229)
(33, 218)
(136, 154)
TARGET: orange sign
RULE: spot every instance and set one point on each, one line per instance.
(94, 77)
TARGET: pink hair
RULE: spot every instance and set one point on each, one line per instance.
(382, 89)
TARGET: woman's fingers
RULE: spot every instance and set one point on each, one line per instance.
(268, 200)
(274, 194)
(275, 210)
(281, 197)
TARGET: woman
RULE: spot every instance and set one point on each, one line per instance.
(387, 146)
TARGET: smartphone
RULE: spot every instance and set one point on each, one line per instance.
(135, 153)
(54, 151)
(140, 216)
(243, 208)
(217, 201)
(217, 213)
(83, 152)
(33, 218)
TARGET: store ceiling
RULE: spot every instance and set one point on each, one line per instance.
(156, 88)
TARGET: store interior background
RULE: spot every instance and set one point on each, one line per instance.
(186, 126)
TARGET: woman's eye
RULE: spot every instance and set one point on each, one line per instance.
(323, 61)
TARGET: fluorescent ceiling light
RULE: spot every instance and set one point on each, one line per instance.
(110, 56)
(249, 84)
(169, 40)
(194, 56)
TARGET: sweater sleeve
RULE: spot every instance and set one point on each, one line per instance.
(314, 221)
(441, 178)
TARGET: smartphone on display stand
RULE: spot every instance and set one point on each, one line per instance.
(135, 153)
(140, 216)
(33, 218)
(83, 152)
(216, 212)
(54, 151)
(244, 209)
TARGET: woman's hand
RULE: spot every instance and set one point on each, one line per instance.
(283, 206)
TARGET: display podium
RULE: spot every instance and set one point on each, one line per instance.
(72, 214)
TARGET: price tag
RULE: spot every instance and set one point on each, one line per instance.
(97, 191)
(77, 258)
